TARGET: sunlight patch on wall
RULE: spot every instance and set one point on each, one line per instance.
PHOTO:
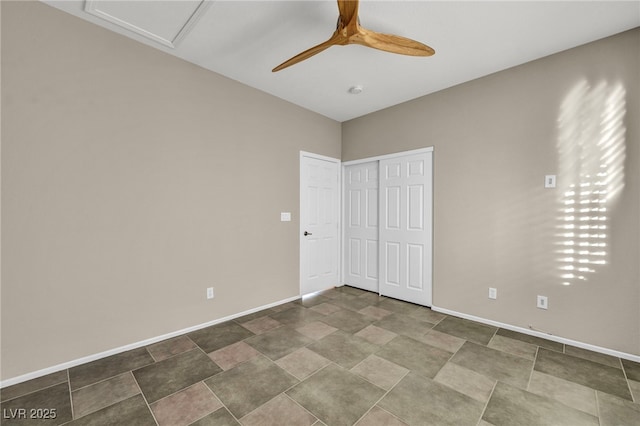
(591, 149)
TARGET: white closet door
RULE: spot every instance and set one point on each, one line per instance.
(360, 255)
(406, 227)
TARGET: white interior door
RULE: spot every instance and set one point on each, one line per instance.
(361, 225)
(319, 223)
(405, 250)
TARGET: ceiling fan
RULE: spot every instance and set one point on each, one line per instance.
(349, 31)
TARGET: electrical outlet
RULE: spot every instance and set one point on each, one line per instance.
(543, 302)
(493, 293)
(210, 294)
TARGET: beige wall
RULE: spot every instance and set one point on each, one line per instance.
(495, 225)
(131, 181)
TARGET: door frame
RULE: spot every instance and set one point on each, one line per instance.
(379, 158)
(338, 200)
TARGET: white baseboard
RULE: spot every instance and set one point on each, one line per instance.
(547, 336)
(94, 357)
(115, 351)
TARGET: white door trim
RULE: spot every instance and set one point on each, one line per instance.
(387, 156)
(301, 229)
(319, 157)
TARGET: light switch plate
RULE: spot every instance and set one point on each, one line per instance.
(285, 216)
(550, 181)
(493, 293)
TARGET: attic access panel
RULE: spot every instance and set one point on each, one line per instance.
(165, 22)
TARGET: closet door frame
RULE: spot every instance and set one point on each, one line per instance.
(344, 200)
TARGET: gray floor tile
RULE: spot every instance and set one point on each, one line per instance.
(514, 347)
(543, 343)
(404, 325)
(102, 394)
(428, 315)
(510, 406)
(349, 321)
(584, 372)
(254, 315)
(218, 336)
(374, 312)
(278, 412)
(379, 417)
(285, 306)
(312, 300)
(260, 325)
(316, 330)
(372, 298)
(247, 386)
(221, 417)
(132, 411)
(389, 345)
(54, 398)
(444, 406)
(376, 335)
(635, 390)
(297, 316)
(168, 348)
(184, 407)
(336, 396)
(302, 363)
(398, 306)
(353, 303)
(379, 371)
(95, 371)
(331, 293)
(40, 383)
(326, 308)
(617, 412)
(279, 342)
(443, 341)
(415, 356)
(609, 360)
(632, 369)
(173, 374)
(353, 291)
(232, 355)
(494, 364)
(465, 329)
(465, 381)
(572, 394)
(344, 349)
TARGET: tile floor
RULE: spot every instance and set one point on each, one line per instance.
(343, 357)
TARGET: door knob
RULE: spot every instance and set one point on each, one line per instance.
(307, 233)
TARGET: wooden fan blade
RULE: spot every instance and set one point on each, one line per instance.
(335, 39)
(391, 43)
(350, 32)
(348, 12)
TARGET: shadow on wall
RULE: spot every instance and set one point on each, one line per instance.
(591, 149)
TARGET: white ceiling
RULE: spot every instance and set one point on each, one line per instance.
(244, 40)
